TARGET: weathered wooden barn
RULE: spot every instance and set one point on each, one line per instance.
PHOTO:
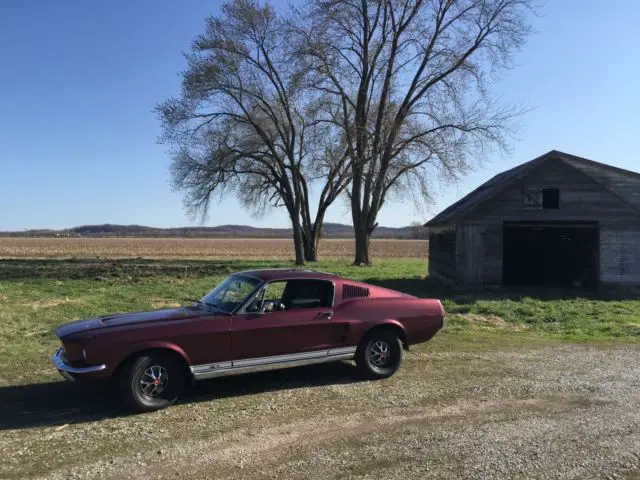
(558, 220)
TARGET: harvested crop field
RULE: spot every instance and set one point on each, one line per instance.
(195, 248)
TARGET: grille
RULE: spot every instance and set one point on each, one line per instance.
(352, 291)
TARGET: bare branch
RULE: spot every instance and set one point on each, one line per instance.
(246, 123)
(419, 103)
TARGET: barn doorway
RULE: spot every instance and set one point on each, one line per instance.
(550, 254)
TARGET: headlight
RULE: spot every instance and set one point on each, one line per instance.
(84, 354)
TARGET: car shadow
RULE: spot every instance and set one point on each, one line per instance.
(57, 404)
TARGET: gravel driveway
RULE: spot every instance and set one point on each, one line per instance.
(458, 409)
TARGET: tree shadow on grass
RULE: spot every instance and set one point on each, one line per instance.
(57, 404)
(427, 288)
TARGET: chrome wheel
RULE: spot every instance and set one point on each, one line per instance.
(154, 380)
(380, 353)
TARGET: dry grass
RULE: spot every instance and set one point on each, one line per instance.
(51, 302)
(195, 248)
(492, 322)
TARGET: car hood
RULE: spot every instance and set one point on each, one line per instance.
(122, 319)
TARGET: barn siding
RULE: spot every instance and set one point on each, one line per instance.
(624, 184)
(619, 256)
(470, 254)
(442, 261)
(479, 254)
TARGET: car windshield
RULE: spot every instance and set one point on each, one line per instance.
(231, 293)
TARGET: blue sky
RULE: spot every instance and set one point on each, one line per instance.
(79, 81)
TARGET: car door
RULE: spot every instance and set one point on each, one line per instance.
(204, 339)
(301, 322)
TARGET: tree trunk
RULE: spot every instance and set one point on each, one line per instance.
(311, 243)
(362, 244)
(298, 243)
(312, 233)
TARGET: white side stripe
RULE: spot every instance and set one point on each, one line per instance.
(280, 358)
(343, 350)
(211, 370)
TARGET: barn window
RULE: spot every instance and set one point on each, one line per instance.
(532, 198)
(550, 198)
(541, 198)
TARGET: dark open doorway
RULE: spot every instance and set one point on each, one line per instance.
(551, 254)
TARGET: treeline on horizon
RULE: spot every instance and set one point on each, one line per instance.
(330, 230)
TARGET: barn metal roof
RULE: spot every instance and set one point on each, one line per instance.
(606, 175)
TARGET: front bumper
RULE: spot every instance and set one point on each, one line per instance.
(69, 372)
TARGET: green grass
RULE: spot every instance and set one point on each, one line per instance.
(572, 318)
(37, 296)
(38, 412)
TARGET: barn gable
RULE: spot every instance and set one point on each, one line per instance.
(580, 197)
(622, 183)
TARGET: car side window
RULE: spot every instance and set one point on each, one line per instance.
(284, 295)
(274, 291)
(307, 294)
(269, 298)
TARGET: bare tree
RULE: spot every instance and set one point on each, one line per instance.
(244, 124)
(407, 82)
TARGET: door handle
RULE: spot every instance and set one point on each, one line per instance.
(323, 315)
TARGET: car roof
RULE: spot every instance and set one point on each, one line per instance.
(269, 274)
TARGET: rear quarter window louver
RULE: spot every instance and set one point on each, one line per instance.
(351, 291)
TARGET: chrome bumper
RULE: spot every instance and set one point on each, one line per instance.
(65, 369)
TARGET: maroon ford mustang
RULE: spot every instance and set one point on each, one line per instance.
(254, 320)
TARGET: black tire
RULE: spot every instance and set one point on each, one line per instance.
(368, 356)
(149, 367)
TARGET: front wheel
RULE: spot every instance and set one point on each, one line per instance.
(380, 353)
(151, 381)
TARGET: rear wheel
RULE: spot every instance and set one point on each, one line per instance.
(151, 381)
(380, 353)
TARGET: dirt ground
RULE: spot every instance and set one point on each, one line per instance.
(499, 406)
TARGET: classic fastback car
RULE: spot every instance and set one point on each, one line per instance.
(254, 320)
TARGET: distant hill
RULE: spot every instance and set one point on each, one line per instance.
(330, 230)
